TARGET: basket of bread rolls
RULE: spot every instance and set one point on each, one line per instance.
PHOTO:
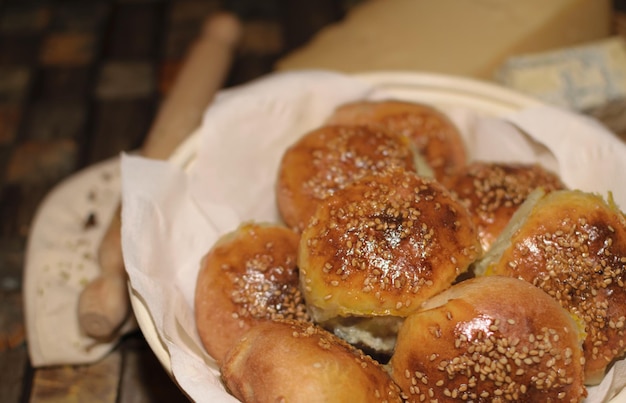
(385, 237)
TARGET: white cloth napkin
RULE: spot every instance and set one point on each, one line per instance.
(61, 260)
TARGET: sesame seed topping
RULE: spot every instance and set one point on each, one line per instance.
(342, 154)
(491, 190)
(387, 237)
(265, 282)
(488, 364)
(579, 262)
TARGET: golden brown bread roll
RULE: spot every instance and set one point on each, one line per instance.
(572, 245)
(249, 276)
(287, 361)
(493, 192)
(436, 136)
(490, 339)
(383, 245)
(328, 158)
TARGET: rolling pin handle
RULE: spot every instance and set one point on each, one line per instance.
(104, 304)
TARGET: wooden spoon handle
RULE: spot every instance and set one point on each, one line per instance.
(104, 303)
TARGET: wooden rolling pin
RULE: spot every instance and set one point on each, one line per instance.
(103, 305)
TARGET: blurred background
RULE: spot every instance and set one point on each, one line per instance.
(81, 81)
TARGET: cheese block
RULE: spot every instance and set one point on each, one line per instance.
(461, 37)
(580, 77)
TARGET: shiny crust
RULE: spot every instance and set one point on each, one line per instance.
(328, 158)
(434, 135)
(298, 362)
(493, 192)
(383, 245)
(573, 246)
(467, 344)
(248, 277)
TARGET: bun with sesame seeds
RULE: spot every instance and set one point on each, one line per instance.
(288, 361)
(381, 246)
(493, 191)
(436, 137)
(249, 276)
(468, 344)
(572, 245)
(326, 159)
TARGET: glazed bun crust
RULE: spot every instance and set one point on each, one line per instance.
(248, 277)
(299, 362)
(572, 245)
(434, 134)
(327, 159)
(493, 192)
(383, 245)
(470, 343)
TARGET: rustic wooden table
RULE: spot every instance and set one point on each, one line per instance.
(58, 115)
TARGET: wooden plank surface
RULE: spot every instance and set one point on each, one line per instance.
(86, 383)
(13, 373)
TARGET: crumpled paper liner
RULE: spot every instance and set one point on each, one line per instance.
(172, 215)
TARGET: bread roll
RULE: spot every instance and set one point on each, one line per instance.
(383, 245)
(289, 361)
(434, 135)
(249, 276)
(493, 192)
(490, 339)
(326, 159)
(572, 245)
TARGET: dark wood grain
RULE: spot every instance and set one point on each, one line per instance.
(85, 383)
(13, 372)
(143, 380)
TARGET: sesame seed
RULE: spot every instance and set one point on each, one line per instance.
(383, 241)
(584, 269)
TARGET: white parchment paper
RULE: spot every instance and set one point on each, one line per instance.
(172, 214)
